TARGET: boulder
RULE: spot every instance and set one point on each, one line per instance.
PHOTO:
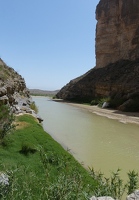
(3, 91)
(101, 198)
(105, 105)
(29, 111)
(4, 100)
(133, 196)
(39, 118)
(4, 179)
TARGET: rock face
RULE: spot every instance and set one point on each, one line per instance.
(116, 74)
(13, 91)
(117, 32)
(11, 83)
(119, 80)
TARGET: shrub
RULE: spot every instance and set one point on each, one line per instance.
(133, 181)
(94, 102)
(6, 119)
(100, 101)
(34, 107)
(27, 149)
(114, 186)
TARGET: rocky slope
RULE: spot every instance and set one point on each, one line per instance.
(43, 92)
(13, 91)
(116, 74)
(11, 83)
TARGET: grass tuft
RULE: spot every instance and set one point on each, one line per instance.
(27, 149)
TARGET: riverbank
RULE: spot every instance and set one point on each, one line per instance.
(38, 167)
(124, 117)
(35, 166)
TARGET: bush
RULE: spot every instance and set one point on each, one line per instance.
(34, 107)
(101, 101)
(94, 102)
(133, 181)
(114, 186)
(6, 119)
(27, 149)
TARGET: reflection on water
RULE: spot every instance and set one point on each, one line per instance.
(96, 141)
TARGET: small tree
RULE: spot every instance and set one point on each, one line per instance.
(6, 119)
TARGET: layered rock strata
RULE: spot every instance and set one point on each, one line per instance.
(117, 31)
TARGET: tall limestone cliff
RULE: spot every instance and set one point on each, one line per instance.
(117, 31)
(116, 74)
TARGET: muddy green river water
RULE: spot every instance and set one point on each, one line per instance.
(98, 142)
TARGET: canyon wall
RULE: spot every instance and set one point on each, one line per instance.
(117, 31)
(116, 75)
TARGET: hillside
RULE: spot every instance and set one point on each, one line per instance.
(43, 92)
(13, 90)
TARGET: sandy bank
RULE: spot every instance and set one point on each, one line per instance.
(124, 117)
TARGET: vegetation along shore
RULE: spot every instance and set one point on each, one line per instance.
(34, 166)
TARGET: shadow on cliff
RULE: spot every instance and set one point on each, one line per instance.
(118, 81)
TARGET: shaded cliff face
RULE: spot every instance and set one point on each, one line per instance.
(117, 31)
(12, 85)
(119, 81)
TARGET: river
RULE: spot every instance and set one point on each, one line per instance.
(95, 141)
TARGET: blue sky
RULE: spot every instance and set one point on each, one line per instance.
(48, 42)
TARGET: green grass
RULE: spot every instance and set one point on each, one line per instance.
(39, 168)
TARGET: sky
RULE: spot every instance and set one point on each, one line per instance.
(48, 42)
